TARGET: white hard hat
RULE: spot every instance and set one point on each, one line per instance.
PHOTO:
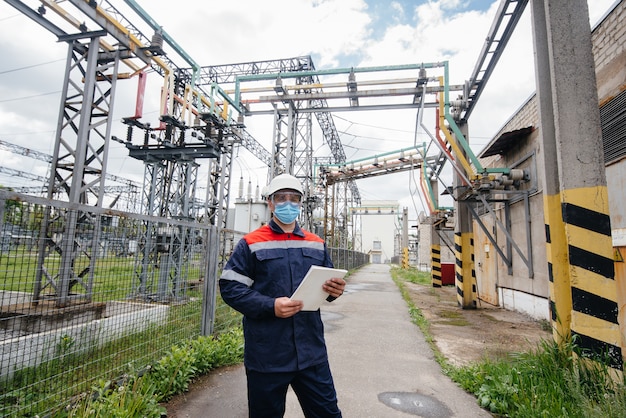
(283, 181)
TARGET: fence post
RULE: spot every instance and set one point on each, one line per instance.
(210, 281)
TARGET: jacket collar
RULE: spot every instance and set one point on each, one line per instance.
(274, 227)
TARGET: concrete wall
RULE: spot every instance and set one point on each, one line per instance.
(121, 318)
(492, 274)
(446, 255)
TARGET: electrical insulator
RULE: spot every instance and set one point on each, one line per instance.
(156, 43)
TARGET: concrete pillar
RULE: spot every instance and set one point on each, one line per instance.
(405, 238)
(465, 278)
(405, 228)
(556, 245)
(583, 196)
(435, 242)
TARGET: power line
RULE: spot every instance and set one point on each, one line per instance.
(386, 129)
(30, 97)
(10, 17)
(371, 126)
(30, 66)
(26, 133)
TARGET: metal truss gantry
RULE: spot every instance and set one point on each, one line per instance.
(78, 162)
(127, 191)
(292, 150)
(83, 135)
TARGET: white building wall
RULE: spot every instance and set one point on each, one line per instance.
(379, 227)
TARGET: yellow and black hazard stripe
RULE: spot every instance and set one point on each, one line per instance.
(464, 270)
(458, 268)
(473, 273)
(560, 295)
(595, 327)
(435, 260)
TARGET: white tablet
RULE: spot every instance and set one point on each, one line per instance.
(310, 290)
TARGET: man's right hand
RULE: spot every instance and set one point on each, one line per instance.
(285, 307)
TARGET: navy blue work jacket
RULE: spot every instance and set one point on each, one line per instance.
(267, 264)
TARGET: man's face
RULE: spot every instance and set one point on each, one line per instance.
(283, 196)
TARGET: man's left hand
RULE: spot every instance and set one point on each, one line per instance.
(334, 287)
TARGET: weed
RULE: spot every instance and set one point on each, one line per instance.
(554, 380)
(139, 394)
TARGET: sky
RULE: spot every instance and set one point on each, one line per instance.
(336, 33)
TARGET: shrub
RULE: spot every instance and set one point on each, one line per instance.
(138, 396)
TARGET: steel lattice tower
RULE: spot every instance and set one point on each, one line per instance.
(79, 160)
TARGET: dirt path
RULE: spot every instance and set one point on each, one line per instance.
(469, 335)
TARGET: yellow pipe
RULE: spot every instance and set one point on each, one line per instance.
(105, 45)
(135, 42)
(460, 156)
(224, 113)
(167, 93)
(342, 84)
(185, 103)
(132, 38)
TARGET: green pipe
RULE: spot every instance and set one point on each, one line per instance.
(343, 164)
(459, 136)
(155, 26)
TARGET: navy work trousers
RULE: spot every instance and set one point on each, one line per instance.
(313, 386)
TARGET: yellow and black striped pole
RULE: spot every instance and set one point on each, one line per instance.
(583, 291)
(435, 261)
(592, 273)
(465, 276)
(435, 241)
(560, 297)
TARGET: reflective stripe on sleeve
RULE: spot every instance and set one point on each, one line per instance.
(236, 277)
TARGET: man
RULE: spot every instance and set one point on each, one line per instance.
(283, 345)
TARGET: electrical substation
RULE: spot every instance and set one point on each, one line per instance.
(510, 201)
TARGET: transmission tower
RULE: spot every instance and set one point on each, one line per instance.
(79, 160)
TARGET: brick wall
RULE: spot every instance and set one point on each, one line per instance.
(609, 52)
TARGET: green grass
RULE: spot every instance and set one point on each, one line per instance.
(113, 277)
(71, 371)
(412, 275)
(552, 381)
(41, 388)
(139, 394)
(454, 318)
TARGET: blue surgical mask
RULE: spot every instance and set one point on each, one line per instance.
(287, 212)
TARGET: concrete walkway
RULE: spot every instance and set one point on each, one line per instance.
(381, 363)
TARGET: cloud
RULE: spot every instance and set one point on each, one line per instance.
(249, 30)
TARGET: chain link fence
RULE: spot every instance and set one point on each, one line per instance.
(89, 294)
